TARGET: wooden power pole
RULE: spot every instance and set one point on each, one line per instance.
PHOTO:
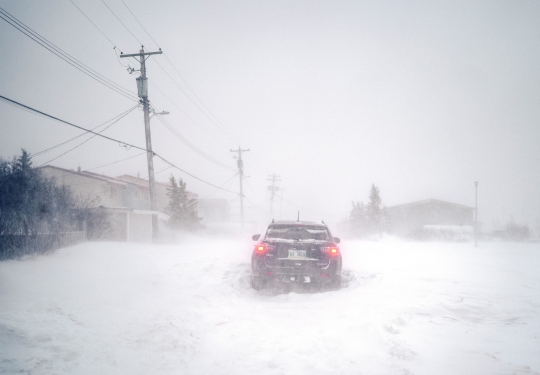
(240, 164)
(142, 88)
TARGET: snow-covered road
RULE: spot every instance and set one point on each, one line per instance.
(404, 308)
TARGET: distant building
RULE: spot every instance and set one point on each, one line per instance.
(112, 192)
(213, 210)
(410, 218)
(126, 200)
(162, 199)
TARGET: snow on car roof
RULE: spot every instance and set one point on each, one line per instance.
(297, 223)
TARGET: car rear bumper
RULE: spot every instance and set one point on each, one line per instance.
(289, 274)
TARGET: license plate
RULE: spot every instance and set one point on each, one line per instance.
(298, 254)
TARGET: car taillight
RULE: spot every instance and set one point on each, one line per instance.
(331, 250)
(261, 248)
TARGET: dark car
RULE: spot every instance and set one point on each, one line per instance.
(296, 252)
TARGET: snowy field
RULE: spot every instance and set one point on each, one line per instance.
(404, 308)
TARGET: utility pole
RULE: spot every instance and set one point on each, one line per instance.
(240, 164)
(142, 88)
(476, 214)
(281, 203)
(273, 188)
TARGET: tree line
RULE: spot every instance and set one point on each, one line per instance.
(35, 213)
(371, 218)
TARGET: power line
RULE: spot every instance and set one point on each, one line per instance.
(222, 128)
(80, 144)
(199, 99)
(121, 22)
(196, 105)
(80, 135)
(69, 123)
(215, 191)
(139, 23)
(114, 162)
(192, 146)
(115, 47)
(98, 29)
(111, 139)
(188, 116)
(51, 47)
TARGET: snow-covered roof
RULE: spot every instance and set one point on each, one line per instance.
(86, 174)
(427, 201)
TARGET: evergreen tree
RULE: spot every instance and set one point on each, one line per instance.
(183, 211)
(374, 210)
(358, 218)
(34, 212)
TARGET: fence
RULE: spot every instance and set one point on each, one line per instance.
(18, 245)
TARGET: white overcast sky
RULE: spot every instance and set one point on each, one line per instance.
(419, 98)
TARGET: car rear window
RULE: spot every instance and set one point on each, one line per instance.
(297, 233)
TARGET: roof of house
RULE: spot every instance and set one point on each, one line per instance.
(99, 177)
(427, 201)
(128, 177)
(138, 180)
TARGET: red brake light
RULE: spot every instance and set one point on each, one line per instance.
(332, 250)
(260, 248)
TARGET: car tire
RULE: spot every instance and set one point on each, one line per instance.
(257, 283)
(335, 283)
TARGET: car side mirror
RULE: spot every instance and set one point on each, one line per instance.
(256, 237)
(337, 240)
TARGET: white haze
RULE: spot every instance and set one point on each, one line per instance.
(420, 98)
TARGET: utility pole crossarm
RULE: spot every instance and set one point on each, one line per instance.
(273, 188)
(141, 54)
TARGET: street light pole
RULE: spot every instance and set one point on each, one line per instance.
(476, 214)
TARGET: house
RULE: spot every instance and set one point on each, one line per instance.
(130, 225)
(111, 192)
(410, 218)
(127, 201)
(162, 199)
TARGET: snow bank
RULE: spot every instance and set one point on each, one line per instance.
(404, 308)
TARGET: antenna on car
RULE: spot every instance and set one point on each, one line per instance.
(298, 216)
(272, 220)
(323, 221)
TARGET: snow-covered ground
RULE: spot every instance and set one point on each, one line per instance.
(404, 308)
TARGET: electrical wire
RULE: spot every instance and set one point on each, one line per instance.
(227, 133)
(215, 191)
(119, 20)
(3, 98)
(191, 145)
(199, 99)
(80, 144)
(188, 116)
(177, 72)
(114, 162)
(140, 23)
(80, 135)
(222, 128)
(51, 47)
(98, 29)
(115, 47)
